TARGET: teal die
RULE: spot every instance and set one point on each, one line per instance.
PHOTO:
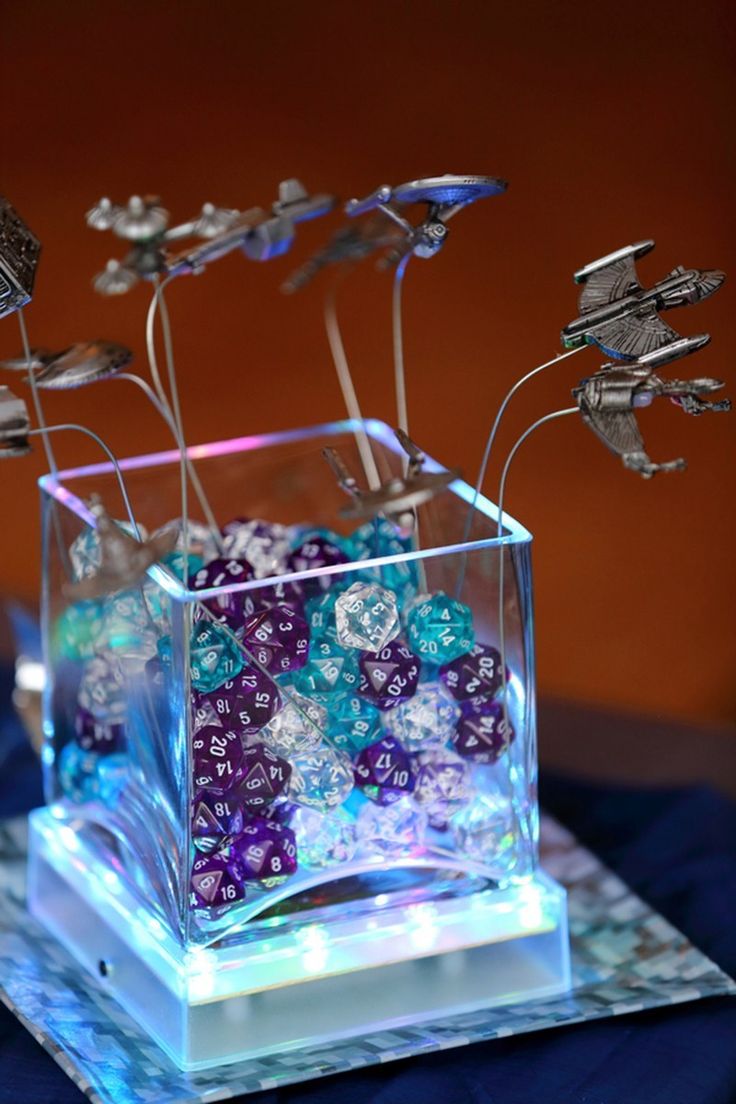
(112, 776)
(354, 724)
(371, 538)
(440, 628)
(320, 614)
(129, 629)
(78, 773)
(379, 538)
(78, 630)
(215, 657)
(175, 563)
(330, 670)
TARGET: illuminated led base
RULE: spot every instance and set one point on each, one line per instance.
(305, 986)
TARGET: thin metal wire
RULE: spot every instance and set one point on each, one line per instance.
(36, 397)
(151, 348)
(110, 455)
(171, 370)
(165, 412)
(489, 448)
(50, 457)
(502, 558)
(402, 413)
(345, 379)
(502, 551)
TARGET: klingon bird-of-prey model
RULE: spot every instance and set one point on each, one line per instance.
(123, 559)
(608, 401)
(621, 316)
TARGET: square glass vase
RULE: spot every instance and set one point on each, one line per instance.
(300, 805)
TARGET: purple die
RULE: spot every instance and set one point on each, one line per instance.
(482, 733)
(475, 674)
(203, 712)
(314, 552)
(92, 734)
(383, 771)
(390, 676)
(218, 759)
(247, 702)
(219, 573)
(278, 638)
(214, 819)
(216, 880)
(265, 849)
(282, 594)
(265, 777)
(443, 785)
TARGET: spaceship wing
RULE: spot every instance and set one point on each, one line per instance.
(617, 429)
(607, 284)
(633, 335)
(162, 542)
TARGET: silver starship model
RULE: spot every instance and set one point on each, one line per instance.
(444, 196)
(145, 224)
(14, 425)
(348, 245)
(123, 560)
(609, 399)
(398, 498)
(19, 252)
(82, 363)
(621, 316)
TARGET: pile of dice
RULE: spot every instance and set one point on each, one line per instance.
(347, 715)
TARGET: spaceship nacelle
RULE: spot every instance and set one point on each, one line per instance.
(690, 286)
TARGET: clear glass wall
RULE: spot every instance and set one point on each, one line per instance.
(319, 734)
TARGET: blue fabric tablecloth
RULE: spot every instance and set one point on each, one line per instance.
(676, 848)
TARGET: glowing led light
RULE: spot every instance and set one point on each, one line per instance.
(69, 838)
(531, 912)
(315, 943)
(48, 755)
(29, 675)
(112, 881)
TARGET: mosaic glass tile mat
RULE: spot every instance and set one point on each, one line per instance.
(625, 958)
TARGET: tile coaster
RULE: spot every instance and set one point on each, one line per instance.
(625, 958)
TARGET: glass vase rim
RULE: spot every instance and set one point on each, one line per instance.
(380, 431)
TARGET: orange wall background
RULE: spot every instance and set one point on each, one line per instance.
(612, 124)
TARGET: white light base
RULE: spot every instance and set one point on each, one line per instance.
(309, 985)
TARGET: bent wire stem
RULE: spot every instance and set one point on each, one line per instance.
(36, 397)
(164, 411)
(67, 426)
(183, 486)
(171, 371)
(502, 552)
(489, 448)
(345, 379)
(50, 457)
(402, 413)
